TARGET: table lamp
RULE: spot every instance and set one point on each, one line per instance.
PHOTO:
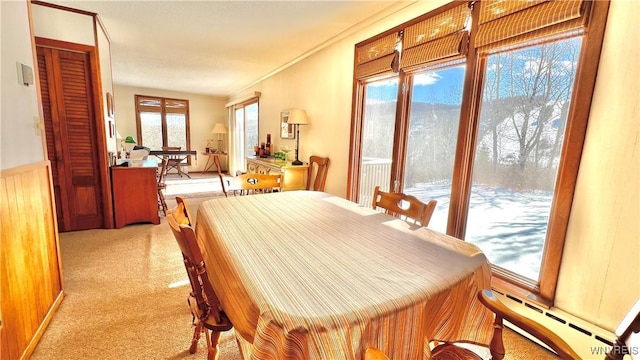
(219, 129)
(297, 117)
(129, 144)
(120, 140)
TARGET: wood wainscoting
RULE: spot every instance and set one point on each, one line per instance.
(30, 269)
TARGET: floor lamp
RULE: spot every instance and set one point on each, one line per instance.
(297, 117)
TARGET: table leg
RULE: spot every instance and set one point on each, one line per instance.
(209, 163)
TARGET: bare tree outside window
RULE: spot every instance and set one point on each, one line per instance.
(523, 117)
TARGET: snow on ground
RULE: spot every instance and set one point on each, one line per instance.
(508, 225)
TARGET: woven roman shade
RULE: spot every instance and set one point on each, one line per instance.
(176, 106)
(438, 37)
(151, 104)
(503, 23)
(378, 57)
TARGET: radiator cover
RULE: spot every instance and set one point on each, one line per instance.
(588, 340)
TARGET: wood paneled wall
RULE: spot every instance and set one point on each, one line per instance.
(30, 271)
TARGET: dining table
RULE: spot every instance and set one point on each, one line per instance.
(176, 155)
(311, 275)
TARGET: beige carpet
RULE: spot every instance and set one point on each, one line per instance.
(126, 293)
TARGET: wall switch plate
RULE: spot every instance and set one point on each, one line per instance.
(38, 125)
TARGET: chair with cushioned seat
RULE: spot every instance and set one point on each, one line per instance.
(204, 304)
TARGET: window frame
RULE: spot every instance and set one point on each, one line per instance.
(163, 119)
(243, 105)
(542, 291)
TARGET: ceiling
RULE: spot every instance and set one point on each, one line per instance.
(218, 47)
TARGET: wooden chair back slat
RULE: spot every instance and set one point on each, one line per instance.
(405, 206)
(256, 183)
(317, 173)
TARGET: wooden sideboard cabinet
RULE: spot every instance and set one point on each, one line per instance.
(294, 176)
(135, 193)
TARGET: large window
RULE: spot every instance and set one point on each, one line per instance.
(162, 122)
(436, 97)
(377, 140)
(246, 130)
(485, 121)
(523, 116)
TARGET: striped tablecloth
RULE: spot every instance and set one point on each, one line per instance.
(307, 275)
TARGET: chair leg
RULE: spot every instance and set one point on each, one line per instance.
(212, 344)
(196, 337)
(162, 202)
(497, 345)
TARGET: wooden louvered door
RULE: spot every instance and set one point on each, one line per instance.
(66, 87)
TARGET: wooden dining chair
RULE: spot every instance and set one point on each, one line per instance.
(317, 173)
(224, 181)
(203, 302)
(254, 183)
(181, 203)
(627, 336)
(407, 207)
(162, 186)
(173, 161)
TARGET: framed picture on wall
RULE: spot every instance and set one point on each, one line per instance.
(286, 129)
(109, 105)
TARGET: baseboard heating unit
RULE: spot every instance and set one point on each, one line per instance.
(586, 339)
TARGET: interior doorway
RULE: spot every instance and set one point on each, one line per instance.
(72, 136)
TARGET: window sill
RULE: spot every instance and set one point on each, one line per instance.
(512, 288)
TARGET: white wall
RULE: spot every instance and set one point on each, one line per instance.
(599, 274)
(104, 53)
(63, 25)
(204, 113)
(20, 142)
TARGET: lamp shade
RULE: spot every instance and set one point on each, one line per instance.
(298, 116)
(130, 140)
(219, 128)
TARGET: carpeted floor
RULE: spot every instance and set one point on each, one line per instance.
(125, 298)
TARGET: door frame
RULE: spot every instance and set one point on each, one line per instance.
(101, 156)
